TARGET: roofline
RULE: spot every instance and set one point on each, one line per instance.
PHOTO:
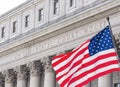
(15, 8)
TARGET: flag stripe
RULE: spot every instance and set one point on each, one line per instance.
(97, 76)
(93, 75)
(92, 59)
(78, 63)
(62, 62)
(67, 61)
(70, 63)
(56, 58)
(81, 75)
(72, 69)
(90, 66)
(66, 78)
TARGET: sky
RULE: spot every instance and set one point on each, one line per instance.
(6, 5)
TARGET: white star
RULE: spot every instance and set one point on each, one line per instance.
(109, 37)
(106, 35)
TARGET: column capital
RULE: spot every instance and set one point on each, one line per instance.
(47, 63)
(21, 72)
(9, 75)
(35, 68)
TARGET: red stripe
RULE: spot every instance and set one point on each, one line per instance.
(92, 70)
(61, 55)
(85, 65)
(70, 62)
(63, 58)
(99, 58)
(71, 65)
(97, 76)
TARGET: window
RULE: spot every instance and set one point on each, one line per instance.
(14, 27)
(27, 20)
(71, 3)
(40, 14)
(3, 32)
(117, 85)
(56, 7)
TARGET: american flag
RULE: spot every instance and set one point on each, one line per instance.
(94, 58)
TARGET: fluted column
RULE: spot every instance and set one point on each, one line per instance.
(88, 85)
(35, 74)
(49, 80)
(9, 78)
(21, 76)
(1, 80)
(105, 81)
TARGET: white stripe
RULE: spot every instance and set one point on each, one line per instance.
(69, 59)
(94, 65)
(93, 74)
(57, 59)
(73, 69)
(99, 53)
(86, 68)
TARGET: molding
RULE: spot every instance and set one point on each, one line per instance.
(61, 36)
(83, 18)
(58, 42)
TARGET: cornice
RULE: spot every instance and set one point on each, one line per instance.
(16, 10)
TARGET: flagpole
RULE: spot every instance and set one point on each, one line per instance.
(113, 40)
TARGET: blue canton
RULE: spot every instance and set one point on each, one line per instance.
(101, 41)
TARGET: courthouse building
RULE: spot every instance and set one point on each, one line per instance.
(32, 33)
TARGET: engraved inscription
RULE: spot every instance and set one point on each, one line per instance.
(77, 33)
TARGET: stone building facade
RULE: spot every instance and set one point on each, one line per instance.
(32, 33)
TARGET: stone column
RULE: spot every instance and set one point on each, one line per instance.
(9, 78)
(88, 85)
(35, 74)
(1, 80)
(105, 81)
(21, 76)
(49, 79)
